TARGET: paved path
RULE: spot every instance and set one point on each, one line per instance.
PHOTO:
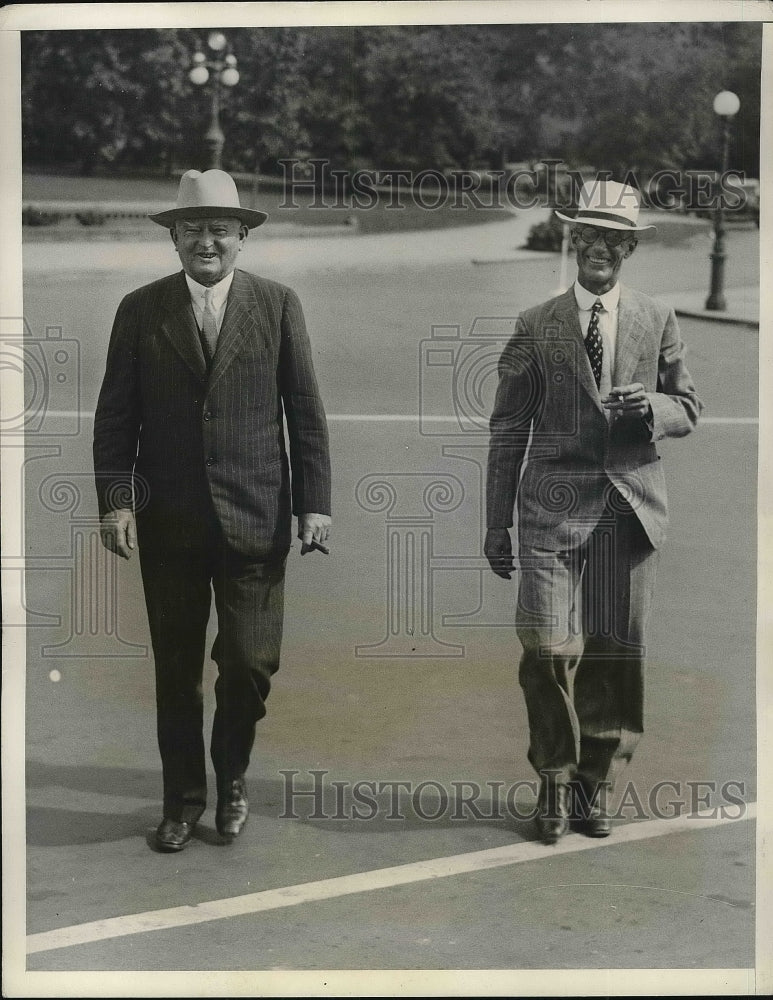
(425, 248)
(682, 898)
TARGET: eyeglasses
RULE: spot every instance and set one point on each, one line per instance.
(612, 237)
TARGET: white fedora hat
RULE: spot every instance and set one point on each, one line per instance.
(607, 204)
(208, 196)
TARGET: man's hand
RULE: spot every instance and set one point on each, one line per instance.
(314, 531)
(119, 532)
(499, 552)
(629, 401)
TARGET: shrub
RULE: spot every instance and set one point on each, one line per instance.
(31, 216)
(90, 218)
(546, 235)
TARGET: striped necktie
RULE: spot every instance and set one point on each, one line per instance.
(209, 327)
(593, 343)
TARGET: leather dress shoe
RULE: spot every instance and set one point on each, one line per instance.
(232, 808)
(598, 824)
(590, 808)
(173, 835)
(552, 810)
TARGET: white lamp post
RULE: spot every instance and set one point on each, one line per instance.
(726, 105)
(223, 73)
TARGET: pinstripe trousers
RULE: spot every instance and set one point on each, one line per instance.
(249, 599)
(581, 620)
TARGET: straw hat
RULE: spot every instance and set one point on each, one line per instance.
(607, 204)
(208, 196)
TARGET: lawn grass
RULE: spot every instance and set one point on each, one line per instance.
(303, 208)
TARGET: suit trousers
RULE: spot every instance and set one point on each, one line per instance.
(581, 620)
(249, 598)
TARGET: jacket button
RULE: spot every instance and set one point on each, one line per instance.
(210, 460)
(208, 415)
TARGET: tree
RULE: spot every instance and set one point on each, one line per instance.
(427, 101)
(622, 96)
(643, 94)
(99, 97)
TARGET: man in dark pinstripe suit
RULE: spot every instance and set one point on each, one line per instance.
(205, 369)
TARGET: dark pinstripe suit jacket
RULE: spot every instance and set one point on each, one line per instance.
(190, 442)
(551, 443)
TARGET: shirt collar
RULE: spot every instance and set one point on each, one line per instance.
(585, 299)
(219, 291)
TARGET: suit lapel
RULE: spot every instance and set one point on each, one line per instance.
(179, 325)
(630, 330)
(566, 313)
(241, 318)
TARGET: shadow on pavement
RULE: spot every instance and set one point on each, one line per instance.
(54, 827)
(114, 781)
(54, 822)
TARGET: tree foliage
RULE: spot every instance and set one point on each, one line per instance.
(620, 96)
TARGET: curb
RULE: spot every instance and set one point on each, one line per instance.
(743, 306)
(716, 317)
(109, 209)
(510, 258)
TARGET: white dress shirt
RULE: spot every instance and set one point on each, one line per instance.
(607, 326)
(219, 298)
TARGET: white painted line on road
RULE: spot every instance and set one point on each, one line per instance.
(381, 878)
(367, 417)
(52, 797)
(407, 418)
(449, 419)
(728, 420)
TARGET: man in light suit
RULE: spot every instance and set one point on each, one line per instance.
(204, 369)
(588, 384)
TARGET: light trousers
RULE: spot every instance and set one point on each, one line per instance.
(581, 621)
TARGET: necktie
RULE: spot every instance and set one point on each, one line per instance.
(593, 343)
(209, 327)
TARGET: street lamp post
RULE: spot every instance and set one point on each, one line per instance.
(223, 73)
(726, 104)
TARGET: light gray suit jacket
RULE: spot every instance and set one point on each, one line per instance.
(552, 446)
